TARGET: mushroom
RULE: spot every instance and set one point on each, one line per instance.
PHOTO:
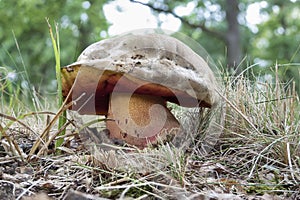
(130, 78)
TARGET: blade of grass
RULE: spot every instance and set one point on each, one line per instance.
(55, 44)
(21, 57)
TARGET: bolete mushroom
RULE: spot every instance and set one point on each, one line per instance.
(130, 78)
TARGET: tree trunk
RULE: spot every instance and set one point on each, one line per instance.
(234, 50)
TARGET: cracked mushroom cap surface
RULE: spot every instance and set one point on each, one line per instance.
(147, 64)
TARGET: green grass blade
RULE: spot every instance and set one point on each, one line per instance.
(55, 44)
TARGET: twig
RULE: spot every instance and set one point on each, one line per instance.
(137, 185)
(15, 120)
(290, 162)
(52, 138)
(28, 190)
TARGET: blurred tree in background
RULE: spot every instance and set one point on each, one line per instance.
(277, 39)
(222, 27)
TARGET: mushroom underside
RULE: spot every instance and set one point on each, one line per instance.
(94, 98)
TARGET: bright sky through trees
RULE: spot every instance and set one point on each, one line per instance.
(125, 16)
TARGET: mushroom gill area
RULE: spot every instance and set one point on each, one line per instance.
(91, 89)
(140, 119)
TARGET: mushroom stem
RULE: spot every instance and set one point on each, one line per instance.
(140, 119)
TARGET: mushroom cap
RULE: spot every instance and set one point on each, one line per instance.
(151, 64)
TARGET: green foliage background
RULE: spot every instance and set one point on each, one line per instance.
(24, 22)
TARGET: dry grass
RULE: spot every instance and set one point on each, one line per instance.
(256, 156)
